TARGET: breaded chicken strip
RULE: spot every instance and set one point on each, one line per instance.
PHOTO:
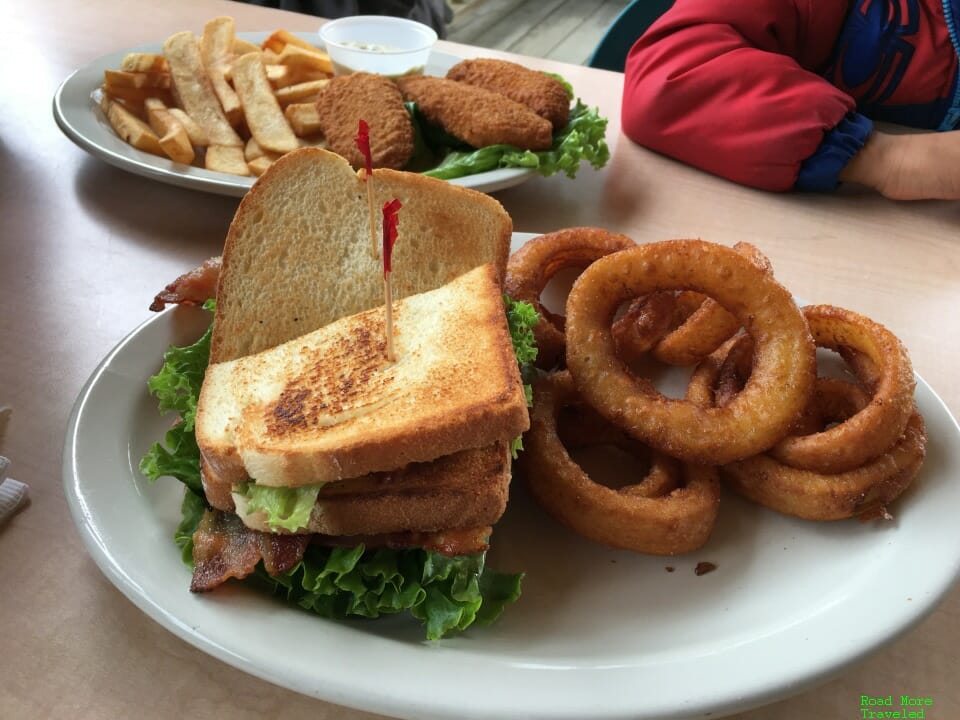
(478, 117)
(346, 100)
(541, 93)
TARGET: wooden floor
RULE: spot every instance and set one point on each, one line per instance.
(564, 30)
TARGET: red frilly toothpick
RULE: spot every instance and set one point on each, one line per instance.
(363, 144)
(391, 217)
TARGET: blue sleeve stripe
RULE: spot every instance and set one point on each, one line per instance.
(821, 171)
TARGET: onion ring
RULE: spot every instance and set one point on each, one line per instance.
(635, 517)
(731, 375)
(708, 326)
(876, 427)
(580, 426)
(809, 494)
(835, 496)
(878, 359)
(530, 268)
(784, 359)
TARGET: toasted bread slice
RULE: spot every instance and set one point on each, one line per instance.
(298, 254)
(462, 490)
(328, 406)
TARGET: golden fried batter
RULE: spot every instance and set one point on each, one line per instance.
(348, 98)
(478, 117)
(543, 94)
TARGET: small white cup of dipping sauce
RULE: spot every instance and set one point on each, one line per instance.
(378, 44)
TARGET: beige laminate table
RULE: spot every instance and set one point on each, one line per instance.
(84, 246)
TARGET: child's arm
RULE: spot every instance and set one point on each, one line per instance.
(730, 87)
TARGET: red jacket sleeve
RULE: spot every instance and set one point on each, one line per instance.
(731, 86)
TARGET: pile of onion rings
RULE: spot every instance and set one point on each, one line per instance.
(755, 415)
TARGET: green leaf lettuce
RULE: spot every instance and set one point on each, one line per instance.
(521, 317)
(285, 508)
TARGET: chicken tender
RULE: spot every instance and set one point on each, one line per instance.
(476, 116)
(543, 94)
(346, 100)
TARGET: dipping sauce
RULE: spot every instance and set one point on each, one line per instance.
(388, 46)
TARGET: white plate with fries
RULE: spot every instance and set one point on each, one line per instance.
(77, 111)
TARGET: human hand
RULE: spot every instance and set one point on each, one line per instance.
(920, 166)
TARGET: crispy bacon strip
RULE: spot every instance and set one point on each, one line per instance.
(192, 288)
(465, 541)
(281, 552)
(224, 548)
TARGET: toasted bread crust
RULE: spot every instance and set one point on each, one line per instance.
(462, 490)
(297, 255)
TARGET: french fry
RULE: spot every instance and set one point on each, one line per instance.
(311, 59)
(279, 75)
(286, 75)
(144, 62)
(306, 75)
(155, 105)
(174, 139)
(130, 128)
(300, 93)
(195, 90)
(264, 117)
(303, 118)
(216, 42)
(282, 76)
(252, 151)
(198, 138)
(318, 141)
(176, 145)
(120, 78)
(193, 102)
(216, 52)
(134, 107)
(242, 47)
(133, 93)
(258, 166)
(281, 38)
(226, 159)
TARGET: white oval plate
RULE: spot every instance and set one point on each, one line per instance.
(597, 633)
(78, 115)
